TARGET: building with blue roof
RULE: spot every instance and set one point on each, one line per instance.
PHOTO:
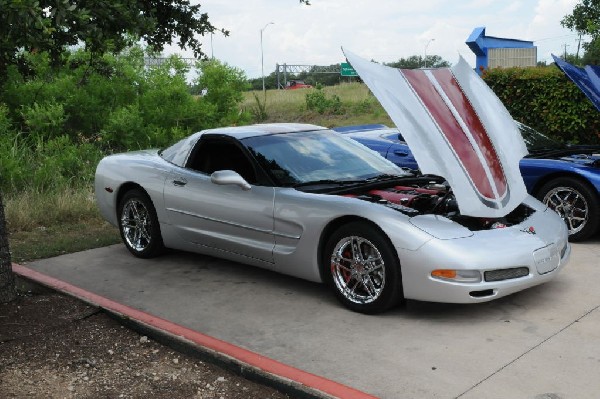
(492, 52)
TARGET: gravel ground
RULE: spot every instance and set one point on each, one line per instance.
(54, 346)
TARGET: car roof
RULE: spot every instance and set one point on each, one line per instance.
(368, 132)
(360, 128)
(242, 132)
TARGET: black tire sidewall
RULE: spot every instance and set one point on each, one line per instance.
(155, 247)
(392, 292)
(591, 197)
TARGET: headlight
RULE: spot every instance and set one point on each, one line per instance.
(460, 276)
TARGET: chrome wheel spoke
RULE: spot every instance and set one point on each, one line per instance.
(339, 265)
(356, 254)
(580, 210)
(369, 286)
(552, 203)
(144, 234)
(354, 286)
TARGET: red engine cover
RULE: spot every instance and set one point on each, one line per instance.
(402, 195)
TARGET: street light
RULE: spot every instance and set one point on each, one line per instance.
(427, 45)
(262, 58)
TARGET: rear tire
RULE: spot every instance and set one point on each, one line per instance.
(576, 203)
(362, 268)
(138, 225)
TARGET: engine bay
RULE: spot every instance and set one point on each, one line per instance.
(433, 195)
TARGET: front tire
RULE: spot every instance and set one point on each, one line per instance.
(362, 268)
(138, 225)
(576, 203)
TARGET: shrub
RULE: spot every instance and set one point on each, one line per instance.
(548, 101)
(124, 129)
(56, 123)
(224, 91)
(45, 121)
(316, 100)
(48, 165)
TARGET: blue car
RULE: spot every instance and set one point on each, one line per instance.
(564, 177)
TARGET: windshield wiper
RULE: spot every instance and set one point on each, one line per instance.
(327, 181)
(383, 177)
(556, 152)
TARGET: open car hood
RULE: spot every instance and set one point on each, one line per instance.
(456, 128)
(587, 79)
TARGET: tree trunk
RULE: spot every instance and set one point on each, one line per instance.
(7, 278)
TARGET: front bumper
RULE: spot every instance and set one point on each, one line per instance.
(544, 254)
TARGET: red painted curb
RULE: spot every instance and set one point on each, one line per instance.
(251, 358)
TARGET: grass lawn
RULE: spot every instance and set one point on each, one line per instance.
(46, 242)
(46, 224)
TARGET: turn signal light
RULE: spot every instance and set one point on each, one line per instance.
(460, 276)
(444, 273)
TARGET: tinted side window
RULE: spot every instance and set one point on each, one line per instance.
(212, 155)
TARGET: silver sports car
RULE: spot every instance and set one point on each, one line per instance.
(305, 201)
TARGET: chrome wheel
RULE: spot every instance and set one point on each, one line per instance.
(136, 225)
(571, 205)
(358, 270)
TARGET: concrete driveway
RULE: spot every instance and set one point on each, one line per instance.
(541, 343)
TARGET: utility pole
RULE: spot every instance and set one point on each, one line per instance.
(425, 59)
(262, 58)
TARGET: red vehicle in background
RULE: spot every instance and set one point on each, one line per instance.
(297, 84)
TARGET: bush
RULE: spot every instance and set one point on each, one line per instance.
(224, 87)
(47, 165)
(545, 99)
(44, 121)
(56, 124)
(316, 100)
(124, 129)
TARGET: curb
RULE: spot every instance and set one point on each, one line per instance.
(248, 364)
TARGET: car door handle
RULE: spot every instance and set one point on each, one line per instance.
(401, 153)
(179, 182)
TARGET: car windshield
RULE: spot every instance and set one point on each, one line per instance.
(318, 156)
(536, 141)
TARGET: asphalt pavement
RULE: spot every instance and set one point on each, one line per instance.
(541, 343)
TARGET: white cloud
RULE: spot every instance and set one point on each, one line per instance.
(384, 30)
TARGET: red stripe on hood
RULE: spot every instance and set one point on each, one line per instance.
(462, 104)
(451, 129)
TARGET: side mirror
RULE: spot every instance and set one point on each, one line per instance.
(227, 177)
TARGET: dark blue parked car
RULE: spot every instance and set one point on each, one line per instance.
(565, 177)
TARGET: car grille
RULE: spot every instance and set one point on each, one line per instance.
(506, 274)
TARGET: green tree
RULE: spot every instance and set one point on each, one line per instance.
(417, 61)
(53, 25)
(223, 86)
(585, 20)
(592, 53)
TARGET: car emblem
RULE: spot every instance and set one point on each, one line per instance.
(528, 230)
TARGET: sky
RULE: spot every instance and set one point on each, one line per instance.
(382, 30)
